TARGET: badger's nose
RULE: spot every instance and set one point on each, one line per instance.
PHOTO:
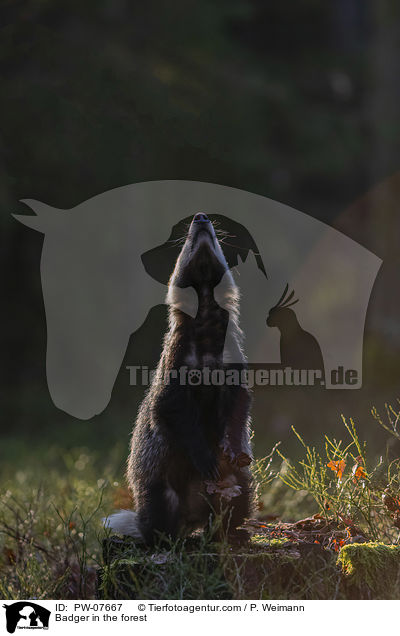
(201, 217)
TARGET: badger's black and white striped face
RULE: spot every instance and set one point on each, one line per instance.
(201, 262)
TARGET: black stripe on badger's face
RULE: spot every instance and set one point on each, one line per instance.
(201, 263)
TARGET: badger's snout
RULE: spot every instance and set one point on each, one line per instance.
(201, 226)
(201, 261)
(201, 218)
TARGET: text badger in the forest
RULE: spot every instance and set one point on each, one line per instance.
(190, 448)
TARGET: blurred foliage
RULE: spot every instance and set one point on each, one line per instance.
(114, 92)
(295, 103)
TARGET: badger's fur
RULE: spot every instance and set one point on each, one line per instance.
(190, 447)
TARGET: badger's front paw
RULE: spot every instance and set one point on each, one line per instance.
(238, 459)
(241, 459)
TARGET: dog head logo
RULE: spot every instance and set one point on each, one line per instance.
(106, 263)
(26, 615)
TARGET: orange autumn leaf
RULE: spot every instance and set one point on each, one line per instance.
(337, 544)
(359, 472)
(338, 467)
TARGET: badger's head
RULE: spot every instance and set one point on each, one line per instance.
(200, 270)
(201, 263)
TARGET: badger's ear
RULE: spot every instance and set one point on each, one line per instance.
(45, 219)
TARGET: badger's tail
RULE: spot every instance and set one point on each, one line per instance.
(124, 522)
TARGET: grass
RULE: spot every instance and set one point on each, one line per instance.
(51, 529)
(184, 569)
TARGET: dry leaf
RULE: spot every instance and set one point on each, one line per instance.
(226, 488)
(389, 501)
(359, 472)
(338, 467)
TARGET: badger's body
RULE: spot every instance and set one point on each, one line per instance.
(191, 445)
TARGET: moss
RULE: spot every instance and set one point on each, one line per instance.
(372, 569)
(261, 541)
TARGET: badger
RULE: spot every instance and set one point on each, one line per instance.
(190, 448)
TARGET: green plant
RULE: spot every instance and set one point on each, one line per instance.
(346, 486)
